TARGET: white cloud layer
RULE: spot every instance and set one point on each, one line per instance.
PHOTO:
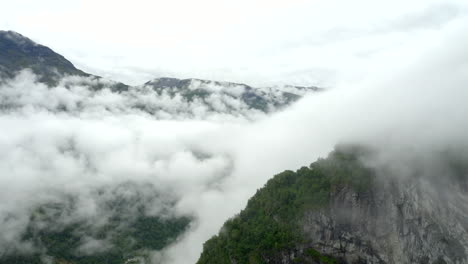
(201, 100)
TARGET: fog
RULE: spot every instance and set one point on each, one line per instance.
(81, 96)
(411, 103)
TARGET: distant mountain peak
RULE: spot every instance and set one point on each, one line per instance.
(168, 82)
(18, 52)
(17, 38)
(260, 98)
(181, 83)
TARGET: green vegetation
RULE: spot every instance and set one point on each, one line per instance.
(128, 232)
(317, 256)
(146, 233)
(270, 222)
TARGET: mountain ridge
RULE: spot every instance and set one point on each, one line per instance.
(15, 46)
(19, 53)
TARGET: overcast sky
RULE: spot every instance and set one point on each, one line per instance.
(254, 41)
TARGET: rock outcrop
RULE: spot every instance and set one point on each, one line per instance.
(398, 221)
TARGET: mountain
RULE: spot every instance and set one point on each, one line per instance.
(339, 210)
(163, 98)
(117, 222)
(264, 99)
(19, 52)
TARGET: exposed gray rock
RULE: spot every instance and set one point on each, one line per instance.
(397, 221)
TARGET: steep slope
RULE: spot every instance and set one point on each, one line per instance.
(18, 52)
(340, 211)
(163, 97)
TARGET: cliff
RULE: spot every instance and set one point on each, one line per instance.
(343, 209)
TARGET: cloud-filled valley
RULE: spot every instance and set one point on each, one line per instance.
(70, 150)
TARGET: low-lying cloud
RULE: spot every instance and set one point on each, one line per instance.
(201, 100)
(207, 168)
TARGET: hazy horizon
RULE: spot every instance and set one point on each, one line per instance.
(257, 42)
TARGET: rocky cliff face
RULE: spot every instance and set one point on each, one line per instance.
(404, 221)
